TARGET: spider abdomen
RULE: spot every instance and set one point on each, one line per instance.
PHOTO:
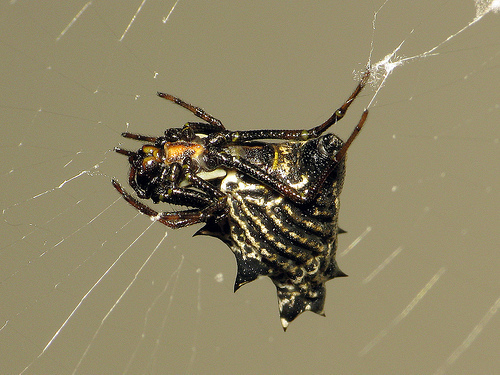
(271, 236)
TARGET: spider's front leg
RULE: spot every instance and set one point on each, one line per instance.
(209, 202)
(170, 189)
(175, 219)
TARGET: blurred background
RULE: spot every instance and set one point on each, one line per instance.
(89, 286)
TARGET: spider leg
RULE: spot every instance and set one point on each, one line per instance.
(171, 192)
(184, 197)
(124, 152)
(343, 151)
(237, 137)
(208, 201)
(203, 185)
(188, 132)
(176, 219)
(197, 111)
(202, 127)
(339, 113)
(300, 197)
(133, 183)
(139, 137)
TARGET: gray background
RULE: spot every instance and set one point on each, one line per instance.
(423, 175)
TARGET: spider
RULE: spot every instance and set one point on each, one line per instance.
(275, 204)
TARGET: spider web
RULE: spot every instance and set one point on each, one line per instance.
(87, 285)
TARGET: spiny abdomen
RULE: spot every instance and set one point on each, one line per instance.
(293, 245)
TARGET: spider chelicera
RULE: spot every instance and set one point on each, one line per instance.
(275, 204)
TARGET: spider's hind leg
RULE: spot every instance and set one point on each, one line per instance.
(238, 137)
(281, 186)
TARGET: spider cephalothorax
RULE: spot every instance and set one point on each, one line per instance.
(275, 204)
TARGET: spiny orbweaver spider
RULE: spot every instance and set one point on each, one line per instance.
(274, 204)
